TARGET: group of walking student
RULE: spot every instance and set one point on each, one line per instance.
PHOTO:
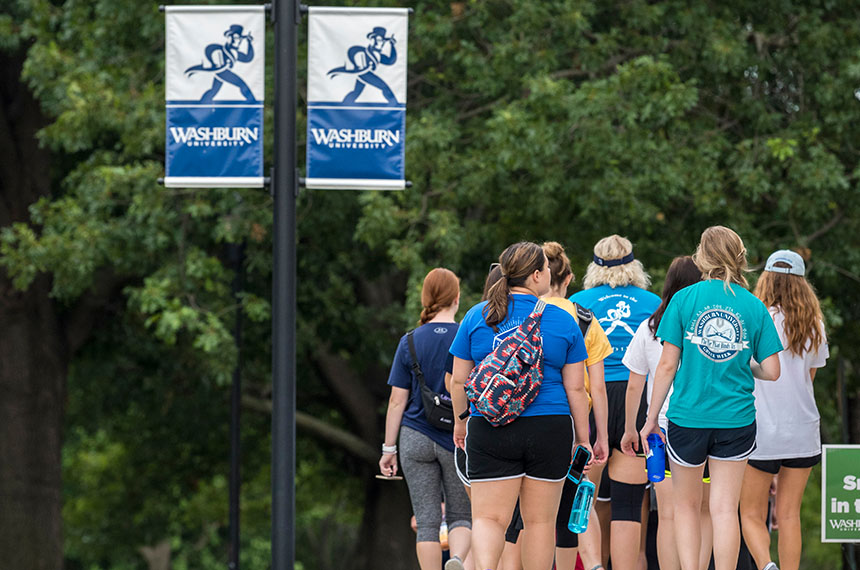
(722, 374)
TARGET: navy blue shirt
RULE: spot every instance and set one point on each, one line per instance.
(432, 341)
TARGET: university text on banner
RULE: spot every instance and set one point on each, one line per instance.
(356, 98)
(214, 94)
(840, 493)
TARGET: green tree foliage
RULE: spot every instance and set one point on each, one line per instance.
(560, 119)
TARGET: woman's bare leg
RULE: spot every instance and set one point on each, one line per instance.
(754, 496)
(667, 551)
(625, 535)
(687, 490)
(726, 480)
(538, 506)
(492, 506)
(789, 496)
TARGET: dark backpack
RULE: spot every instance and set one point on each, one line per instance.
(508, 379)
(584, 317)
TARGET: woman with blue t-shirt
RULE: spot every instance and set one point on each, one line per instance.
(530, 456)
(721, 335)
(615, 291)
(427, 452)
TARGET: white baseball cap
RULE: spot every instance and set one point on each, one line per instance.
(790, 258)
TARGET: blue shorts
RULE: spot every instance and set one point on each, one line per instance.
(691, 447)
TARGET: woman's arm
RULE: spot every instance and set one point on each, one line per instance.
(462, 369)
(767, 369)
(396, 406)
(629, 443)
(601, 411)
(663, 378)
(573, 379)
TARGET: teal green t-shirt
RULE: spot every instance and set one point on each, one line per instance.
(718, 332)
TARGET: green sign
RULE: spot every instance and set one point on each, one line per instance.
(840, 493)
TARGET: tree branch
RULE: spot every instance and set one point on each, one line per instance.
(320, 429)
(825, 228)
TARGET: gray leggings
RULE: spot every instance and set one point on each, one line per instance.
(431, 475)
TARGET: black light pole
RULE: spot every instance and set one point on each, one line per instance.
(284, 189)
(237, 255)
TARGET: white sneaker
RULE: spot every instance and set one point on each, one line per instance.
(454, 563)
(768, 566)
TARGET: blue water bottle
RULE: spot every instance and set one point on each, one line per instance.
(655, 461)
(578, 521)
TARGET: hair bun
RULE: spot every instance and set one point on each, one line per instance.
(553, 249)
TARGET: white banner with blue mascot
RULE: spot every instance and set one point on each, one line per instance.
(356, 98)
(215, 88)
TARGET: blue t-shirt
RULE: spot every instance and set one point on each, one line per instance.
(560, 336)
(432, 341)
(718, 332)
(619, 311)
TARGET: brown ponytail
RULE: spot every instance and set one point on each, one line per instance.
(441, 289)
(516, 263)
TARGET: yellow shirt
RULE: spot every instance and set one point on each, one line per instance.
(596, 343)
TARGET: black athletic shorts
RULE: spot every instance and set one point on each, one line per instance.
(616, 399)
(460, 466)
(605, 484)
(537, 447)
(512, 533)
(772, 466)
(564, 538)
(691, 447)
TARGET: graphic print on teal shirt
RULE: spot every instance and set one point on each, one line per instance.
(619, 311)
(718, 331)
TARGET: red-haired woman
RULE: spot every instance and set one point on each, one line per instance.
(427, 452)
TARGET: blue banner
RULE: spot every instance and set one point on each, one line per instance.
(214, 141)
(214, 94)
(356, 98)
(352, 142)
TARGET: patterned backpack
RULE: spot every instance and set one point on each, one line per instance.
(508, 379)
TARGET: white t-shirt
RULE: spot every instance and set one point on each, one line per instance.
(642, 357)
(786, 415)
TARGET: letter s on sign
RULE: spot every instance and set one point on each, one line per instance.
(849, 483)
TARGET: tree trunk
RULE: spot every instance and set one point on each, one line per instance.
(386, 539)
(33, 355)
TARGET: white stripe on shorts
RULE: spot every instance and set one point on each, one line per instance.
(741, 457)
(677, 459)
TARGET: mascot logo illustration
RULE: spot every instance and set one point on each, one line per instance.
(718, 334)
(220, 60)
(615, 317)
(364, 61)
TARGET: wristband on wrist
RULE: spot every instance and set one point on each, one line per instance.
(389, 449)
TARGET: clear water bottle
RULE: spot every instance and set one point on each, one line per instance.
(655, 461)
(578, 521)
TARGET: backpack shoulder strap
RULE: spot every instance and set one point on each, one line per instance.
(416, 368)
(584, 317)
